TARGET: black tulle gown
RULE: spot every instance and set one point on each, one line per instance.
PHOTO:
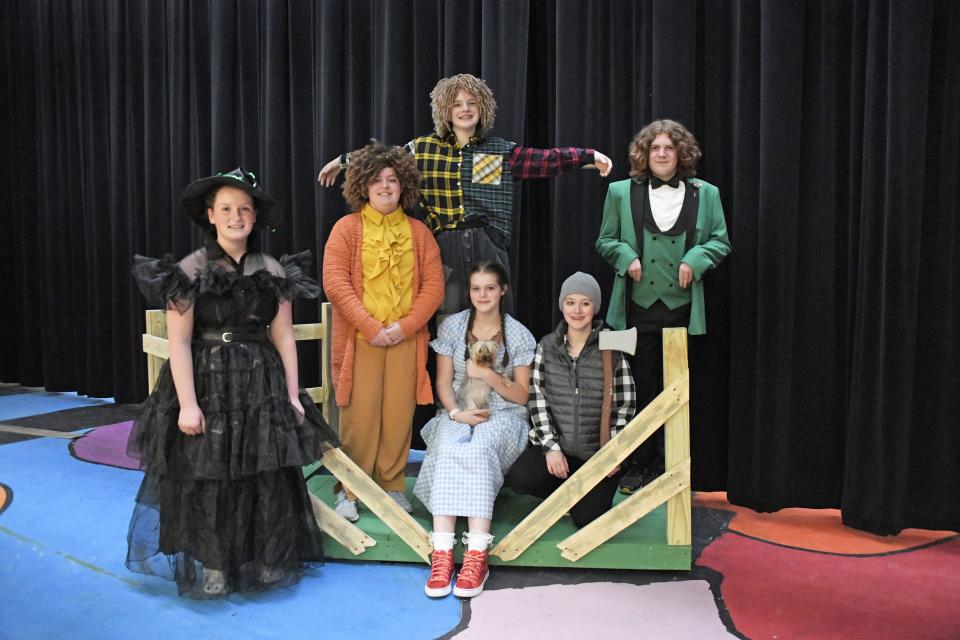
(227, 510)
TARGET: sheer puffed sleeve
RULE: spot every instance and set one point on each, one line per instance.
(291, 276)
(164, 282)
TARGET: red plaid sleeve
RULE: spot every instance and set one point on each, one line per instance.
(528, 162)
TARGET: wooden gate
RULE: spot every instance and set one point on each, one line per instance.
(669, 409)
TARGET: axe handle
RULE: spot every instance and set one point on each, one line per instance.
(607, 404)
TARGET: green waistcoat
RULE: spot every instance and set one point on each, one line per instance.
(662, 255)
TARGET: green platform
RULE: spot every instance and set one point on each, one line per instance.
(641, 546)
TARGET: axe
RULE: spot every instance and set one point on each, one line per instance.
(611, 341)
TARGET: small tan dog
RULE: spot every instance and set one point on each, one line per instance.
(474, 393)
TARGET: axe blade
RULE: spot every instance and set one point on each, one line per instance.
(625, 341)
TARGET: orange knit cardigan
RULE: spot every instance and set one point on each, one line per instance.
(343, 286)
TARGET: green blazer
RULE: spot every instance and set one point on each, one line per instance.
(619, 245)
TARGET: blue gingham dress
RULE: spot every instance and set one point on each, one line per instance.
(463, 468)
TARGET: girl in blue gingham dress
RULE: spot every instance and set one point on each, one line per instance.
(470, 451)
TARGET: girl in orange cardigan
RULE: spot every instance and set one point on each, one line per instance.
(382, 272)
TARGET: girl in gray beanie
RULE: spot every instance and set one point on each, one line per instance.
(566, 399)
(584, 284)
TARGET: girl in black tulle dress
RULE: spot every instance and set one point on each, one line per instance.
(223, 505)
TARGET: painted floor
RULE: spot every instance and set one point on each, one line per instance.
(66, 499)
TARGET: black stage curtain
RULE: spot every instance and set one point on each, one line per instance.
(830, 371)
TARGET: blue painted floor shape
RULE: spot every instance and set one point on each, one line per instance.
(62, 546)
(29, 404)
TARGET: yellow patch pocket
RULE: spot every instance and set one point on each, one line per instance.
(487, 168)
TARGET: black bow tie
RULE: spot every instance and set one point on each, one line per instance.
(656, 183)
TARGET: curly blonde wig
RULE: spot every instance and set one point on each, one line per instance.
(688, 151)
(367, 163)
(445, 93)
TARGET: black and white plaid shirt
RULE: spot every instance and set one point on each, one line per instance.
(544, 433)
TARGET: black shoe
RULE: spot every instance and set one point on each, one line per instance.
(638, 477)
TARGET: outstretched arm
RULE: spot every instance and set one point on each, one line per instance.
(602, 163)
(328, 175)
(330, 171)
(528, 162)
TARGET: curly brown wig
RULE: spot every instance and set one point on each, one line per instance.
(688, 151)
(367, 163)
(445, 93)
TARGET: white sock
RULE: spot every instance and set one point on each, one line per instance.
(477, 541)
(442, 540)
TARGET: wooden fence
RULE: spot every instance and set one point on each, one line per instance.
(670, 409)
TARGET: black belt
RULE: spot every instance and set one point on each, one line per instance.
(225, 337)
(472, 223)
(480, 222)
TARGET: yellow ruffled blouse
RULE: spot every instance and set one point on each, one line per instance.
(387, 256)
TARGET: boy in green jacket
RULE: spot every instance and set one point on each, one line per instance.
(662, 231)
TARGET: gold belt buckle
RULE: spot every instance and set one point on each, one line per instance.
(227, 336)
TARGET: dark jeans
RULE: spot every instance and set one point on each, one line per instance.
(647, 365)
(529, 475)
(460, 249)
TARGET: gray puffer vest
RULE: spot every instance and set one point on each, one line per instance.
(573, 389)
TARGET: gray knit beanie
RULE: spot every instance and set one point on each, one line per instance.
(584, 284)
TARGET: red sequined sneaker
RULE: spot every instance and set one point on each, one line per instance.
(441, 574)
(473, 574)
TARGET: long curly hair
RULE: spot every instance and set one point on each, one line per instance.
(367, 163)
(688, 151)
(445, 93)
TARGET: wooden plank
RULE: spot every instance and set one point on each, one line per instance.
(156, 328)
(376, 499)
(673, 481)
(318, 395)
(329, 407)
(309, 331)
(158, 348)
(40, 433)
(156, 322)
(677, 437)
(643, 425)
(346, 533)
(321, 331)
